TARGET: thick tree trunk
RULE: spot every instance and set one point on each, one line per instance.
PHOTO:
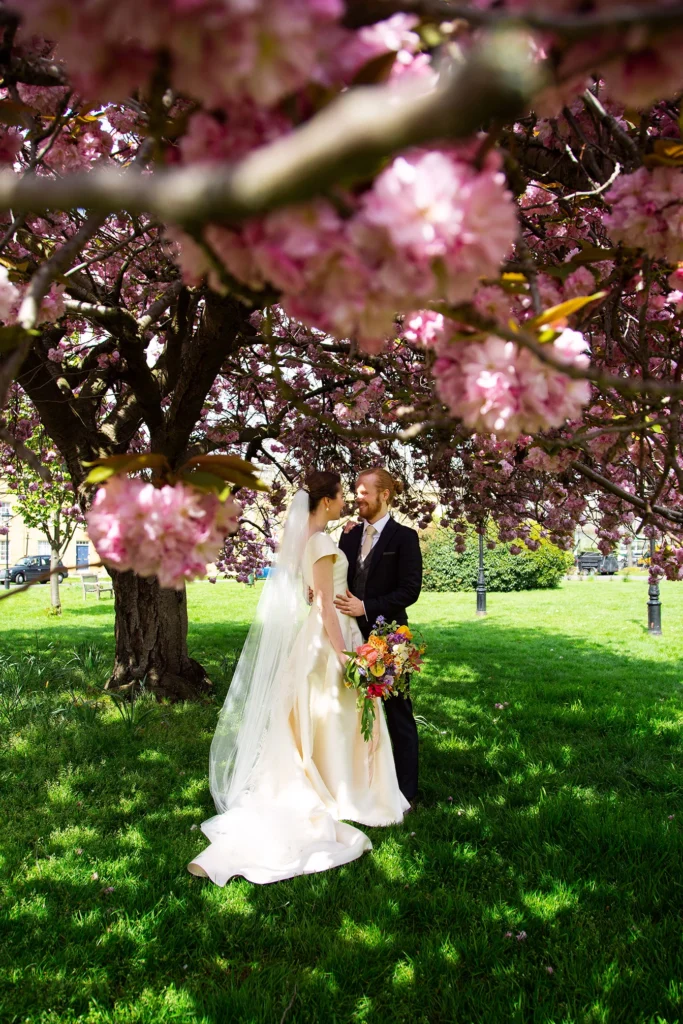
(151, 640)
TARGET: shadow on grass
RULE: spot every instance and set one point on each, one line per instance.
(549, 817)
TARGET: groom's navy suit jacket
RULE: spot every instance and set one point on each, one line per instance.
(395, 576)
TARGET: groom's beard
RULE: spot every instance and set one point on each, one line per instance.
(368, 510)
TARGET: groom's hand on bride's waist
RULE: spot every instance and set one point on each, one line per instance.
(349, 605)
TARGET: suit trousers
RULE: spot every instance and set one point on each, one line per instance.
(403, 733)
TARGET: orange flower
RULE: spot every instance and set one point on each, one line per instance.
(378, 642)
(404, 631)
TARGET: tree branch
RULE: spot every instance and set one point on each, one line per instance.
(347, 139)
(26, 454)
(606, 485)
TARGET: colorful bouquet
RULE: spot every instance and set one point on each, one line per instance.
(380, 668)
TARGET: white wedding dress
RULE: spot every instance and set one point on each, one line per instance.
(315, 768)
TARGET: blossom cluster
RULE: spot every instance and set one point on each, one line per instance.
(647, 211)
(51, 308)
(215, 49)
(666, 562)
(171, 532)
(428, 228)
(638, 66)
(499, 387)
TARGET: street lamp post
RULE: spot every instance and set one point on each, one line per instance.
(481, 580)
(654, 605)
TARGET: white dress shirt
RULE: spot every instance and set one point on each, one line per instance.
(378, 527)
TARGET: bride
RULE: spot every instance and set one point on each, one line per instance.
(288, 763)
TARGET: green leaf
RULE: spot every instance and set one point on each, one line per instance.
(17, 114)
(99, 474)
(119, 464)
(667, 153)
(204, 481)
(556, 314)
(228, 467)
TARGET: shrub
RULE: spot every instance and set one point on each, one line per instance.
(445, 570)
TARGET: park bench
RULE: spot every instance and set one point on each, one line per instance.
(92, 584)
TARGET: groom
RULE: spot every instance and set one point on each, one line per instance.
(385, 576)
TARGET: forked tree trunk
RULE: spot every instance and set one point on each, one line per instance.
(151, 640)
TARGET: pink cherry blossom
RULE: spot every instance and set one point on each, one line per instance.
(52, 306)
(647, 212)
(9, 296)
(217, 49)
(11, 143)
(430, 226)
(424, 326)
(168, 532)
(395, 35)
(495, 386)
(44, 100)
(445, 223)
(579, 282)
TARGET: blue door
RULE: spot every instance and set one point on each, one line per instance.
(82, 555)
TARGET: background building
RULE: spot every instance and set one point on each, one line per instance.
(24, 540)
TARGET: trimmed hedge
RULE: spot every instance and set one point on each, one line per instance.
(445, 570)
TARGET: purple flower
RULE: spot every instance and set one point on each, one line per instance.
(520, 936)
(380, 620)
(550, 970)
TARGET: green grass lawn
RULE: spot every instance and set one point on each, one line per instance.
(540, 879)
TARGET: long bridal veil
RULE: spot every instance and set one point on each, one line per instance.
(259, 684)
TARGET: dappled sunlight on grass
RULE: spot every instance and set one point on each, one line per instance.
(549, 834)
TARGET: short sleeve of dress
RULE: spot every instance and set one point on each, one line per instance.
(321, 545)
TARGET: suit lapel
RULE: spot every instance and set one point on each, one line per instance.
(382, 541)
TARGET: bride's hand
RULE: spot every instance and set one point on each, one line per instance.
(343, 660)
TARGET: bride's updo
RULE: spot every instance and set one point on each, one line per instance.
(319, 486)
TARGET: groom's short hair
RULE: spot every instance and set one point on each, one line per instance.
(385, 481)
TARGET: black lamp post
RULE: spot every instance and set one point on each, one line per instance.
(654, 605)
(481, 580)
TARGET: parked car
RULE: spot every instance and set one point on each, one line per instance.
(594, 561)
(30, 567)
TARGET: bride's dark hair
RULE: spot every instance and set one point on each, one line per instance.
(319, 486)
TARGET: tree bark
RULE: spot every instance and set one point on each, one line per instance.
(55, 599)
(151, 641)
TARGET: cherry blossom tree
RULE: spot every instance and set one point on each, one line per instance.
(48, 505)
(443, 235)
